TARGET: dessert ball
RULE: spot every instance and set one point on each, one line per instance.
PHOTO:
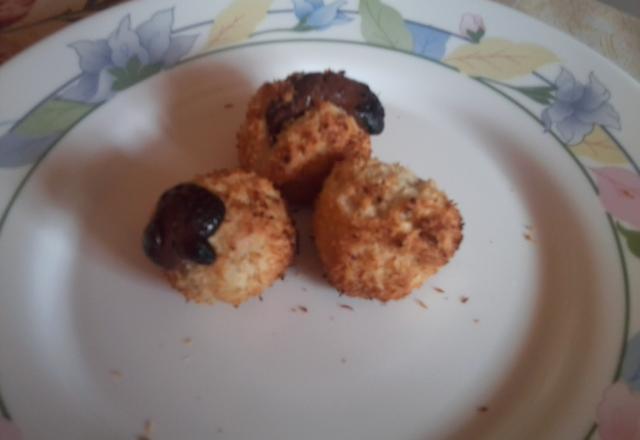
(225, 236)
(296, 129)
(381, 231)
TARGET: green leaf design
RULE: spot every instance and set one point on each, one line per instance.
(384, 26)
(237, 22)
(540, 94)
(633, 239)
(134, 72)
(498, 59)
(302, 27)
(476, 36)
(53, 116)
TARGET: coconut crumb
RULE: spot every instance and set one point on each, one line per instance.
(116, 375)
(148, 427)
(147, 430)
(528, 235)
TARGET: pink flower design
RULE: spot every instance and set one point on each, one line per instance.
(620, 193)
(9, 431)
(619, 414)
(472, 26)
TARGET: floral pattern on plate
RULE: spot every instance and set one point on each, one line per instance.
(126, 57)
(619, 411)
(314, 14)
(577, 108)
(107, 66)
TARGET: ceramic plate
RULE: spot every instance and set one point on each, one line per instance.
(531, 332)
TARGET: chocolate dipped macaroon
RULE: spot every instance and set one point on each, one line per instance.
(224, 236)
(296, 129)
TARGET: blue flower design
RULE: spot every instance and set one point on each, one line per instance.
(107, 65)
(427, 41)
(578, 107)
(315, 15)
(126, 57)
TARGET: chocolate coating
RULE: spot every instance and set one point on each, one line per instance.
(309, 89)
(185, 217)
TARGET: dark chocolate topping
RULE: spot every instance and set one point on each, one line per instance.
(310, 89)
(185, 217)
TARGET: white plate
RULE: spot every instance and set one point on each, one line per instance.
(532, 331)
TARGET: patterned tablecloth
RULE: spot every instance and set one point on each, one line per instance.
(611, 32)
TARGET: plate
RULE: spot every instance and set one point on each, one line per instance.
(531, 331)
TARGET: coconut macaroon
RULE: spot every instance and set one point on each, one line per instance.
(381, 231)
(296, 129)
(225, 236)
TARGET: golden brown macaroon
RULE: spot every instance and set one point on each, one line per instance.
(381, 231)
(225, 236)
(296, 129)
